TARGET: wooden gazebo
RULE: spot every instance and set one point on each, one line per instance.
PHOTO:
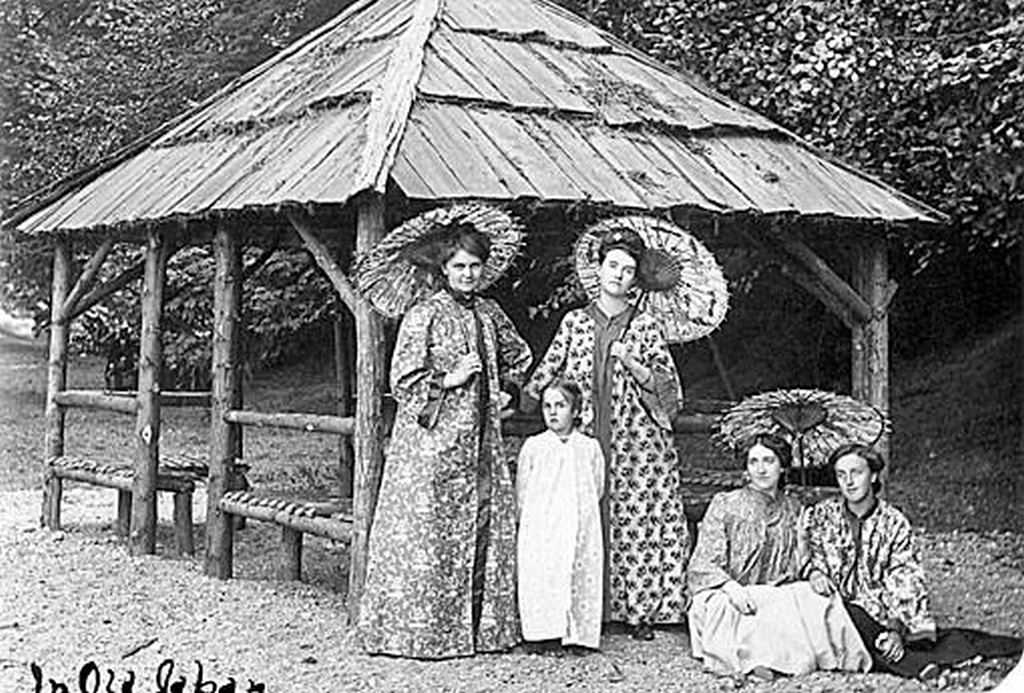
(408, 103)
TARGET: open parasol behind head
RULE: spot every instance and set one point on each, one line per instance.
(677, 276)
(403, 268)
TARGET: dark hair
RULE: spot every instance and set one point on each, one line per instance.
(464, 237)
(626, 240)
(572, 392)
(876, 463)
(780, 446)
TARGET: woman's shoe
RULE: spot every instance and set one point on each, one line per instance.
(643, 631)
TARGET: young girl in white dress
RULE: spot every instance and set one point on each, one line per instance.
(559, 482)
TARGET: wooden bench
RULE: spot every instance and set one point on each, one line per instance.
(177, 476)
(332, 520)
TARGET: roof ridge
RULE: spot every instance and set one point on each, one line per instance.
(393, 97)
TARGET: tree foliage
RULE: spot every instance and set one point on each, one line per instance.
(926, 94)
(81, 79)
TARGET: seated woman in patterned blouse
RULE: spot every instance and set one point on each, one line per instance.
(749, 614)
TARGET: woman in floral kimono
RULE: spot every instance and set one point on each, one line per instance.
(441, 574)
(749, 615)
(630, 392)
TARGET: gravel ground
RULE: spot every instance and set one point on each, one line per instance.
(76, 596)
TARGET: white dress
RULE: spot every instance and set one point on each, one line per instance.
(560, 550)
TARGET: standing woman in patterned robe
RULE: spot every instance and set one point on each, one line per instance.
(619, 358)
(441, 574)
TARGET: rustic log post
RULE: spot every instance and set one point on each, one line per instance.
(124, 512)
(369, 443)
(290, 565)
(870, 338)
(225, 437)
(343, 380)
(142, 535)
(56, 379)
(183, 538)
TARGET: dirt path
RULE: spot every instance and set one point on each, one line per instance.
(77, 596)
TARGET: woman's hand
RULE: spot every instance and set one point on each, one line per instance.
(820, 583)
(890, 645)
(468, 366)
(621, 352)
(739, 597)
(641, 372)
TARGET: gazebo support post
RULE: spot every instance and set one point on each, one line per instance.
(369, 433)
(870, 338)
(226, 395)
(56, 380)
(343, 382)
(142, 535)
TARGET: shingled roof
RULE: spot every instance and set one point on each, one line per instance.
(455, 99)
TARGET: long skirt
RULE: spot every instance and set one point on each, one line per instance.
(793, 631)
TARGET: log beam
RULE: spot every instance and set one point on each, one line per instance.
(92, 399)
(825, 276)
(86, 278)
(523, 425)
(106, 289)
(56, 380)
(369, 433)
(313, 423)
(226, 395)
(142, 535)
(800, 272)
(330, 267)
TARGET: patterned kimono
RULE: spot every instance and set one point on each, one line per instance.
(440, 580)
(646, 539)
(877, 570)
(752, 538)
(559, 485)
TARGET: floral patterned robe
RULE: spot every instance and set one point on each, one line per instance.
(647, 541)
(881, 573)
(441, 574)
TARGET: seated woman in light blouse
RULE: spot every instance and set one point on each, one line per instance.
(749, 614)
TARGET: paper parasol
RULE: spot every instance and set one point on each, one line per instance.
(681, 284)
(814, 422)
(400, 270)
